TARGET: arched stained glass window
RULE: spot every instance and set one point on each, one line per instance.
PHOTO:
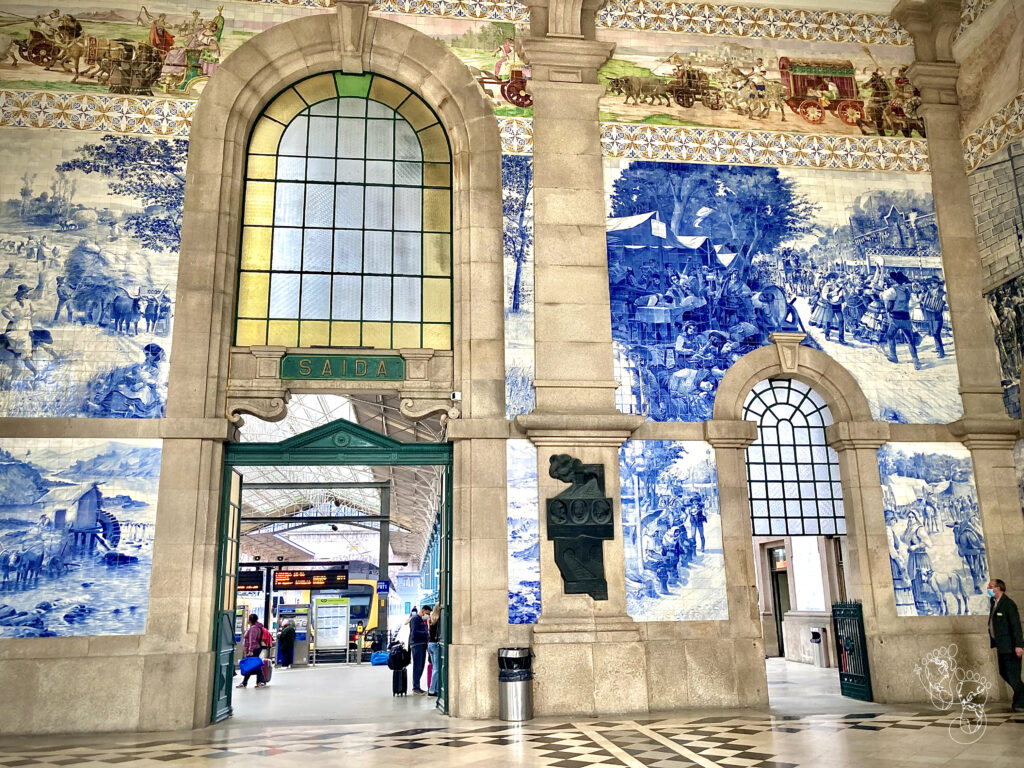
(792, 473)
(346, 238)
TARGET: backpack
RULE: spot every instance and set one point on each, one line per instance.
(267, 639)
(398, 657)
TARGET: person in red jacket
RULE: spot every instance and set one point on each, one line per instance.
(252, 642)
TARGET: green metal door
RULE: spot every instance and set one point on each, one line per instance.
(445, 588)
(224, 627)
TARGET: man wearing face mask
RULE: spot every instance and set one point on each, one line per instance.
(1005, 635)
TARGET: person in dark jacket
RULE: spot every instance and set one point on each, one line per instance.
(419, 636)
(252, 642)
(1005, 636)
(286, 644)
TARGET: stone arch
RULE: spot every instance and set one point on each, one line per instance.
(790, 359)
(242, 86)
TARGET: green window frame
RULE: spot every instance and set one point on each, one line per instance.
(346, 221)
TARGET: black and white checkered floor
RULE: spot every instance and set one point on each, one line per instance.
(703, 740)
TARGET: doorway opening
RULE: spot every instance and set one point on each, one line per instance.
(799, 540)
(335, 524)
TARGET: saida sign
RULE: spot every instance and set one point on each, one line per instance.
(343, 367)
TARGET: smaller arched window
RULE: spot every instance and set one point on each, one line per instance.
(346, 231)
(792, 473)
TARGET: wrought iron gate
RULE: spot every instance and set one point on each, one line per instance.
(851, 650)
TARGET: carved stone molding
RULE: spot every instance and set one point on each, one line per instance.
(933, 24)
(986, 434)
(573, 430)
(420, 408)
(787, 344)
(851, 435)
(266, 408)
(937, 82)
(730, 434)
(563, 60)
(352, 16)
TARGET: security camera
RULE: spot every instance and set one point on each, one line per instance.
(456, 396)
(280, 558)
(256, 557)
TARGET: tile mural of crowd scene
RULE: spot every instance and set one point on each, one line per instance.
(89, 234)
(672, 532)
(706, 261)
(936, 542)
(523, 532)
(77, 521)
(517, 231)
(764, 84)
(113, 46)
(1007, 303)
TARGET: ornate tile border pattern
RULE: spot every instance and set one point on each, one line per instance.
(744, 21)
(680, 144)
(88, 112)
(995, 133)
(495, 10)
(970, 10)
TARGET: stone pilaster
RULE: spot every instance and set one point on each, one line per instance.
(932, 23)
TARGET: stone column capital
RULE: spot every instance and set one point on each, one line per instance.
(937, 82)
(723, 433)
(986, 434)
(567, 430)
(853, 435)
(933, 24)
(565, 59)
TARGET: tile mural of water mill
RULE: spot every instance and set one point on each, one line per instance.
(523, 532)
(77, 522)
(936, 542)
(706, 261)
(672, 532)
(89, 233)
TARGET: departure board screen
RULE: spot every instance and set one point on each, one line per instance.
(249, 581)
(330, 578)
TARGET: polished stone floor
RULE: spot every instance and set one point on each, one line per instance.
(841, 733)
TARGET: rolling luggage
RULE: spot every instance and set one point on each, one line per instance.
(249, 665)
(379, 659)
(267, 669)
(400, 682)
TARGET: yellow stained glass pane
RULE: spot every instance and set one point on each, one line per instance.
(388, 92)
(253, 294)
(256, 247)
(437, 255)
(262, 167)
(315, 333)
(317, 89)
(435, 145)
(259, 203)
(377, 335)
(283, 333)
(437, 210)
(251, 333)
(285, 107)
(437, 300)
(265, 137)
(437, 337)
(406, 336)
(344, 334)
(417, 113)
(437, 174)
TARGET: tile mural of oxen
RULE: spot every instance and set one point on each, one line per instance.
(672, 532)
(706, 261)
(89, 239)
(77, 520)
(935, 538)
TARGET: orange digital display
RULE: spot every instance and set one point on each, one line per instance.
(333, 578)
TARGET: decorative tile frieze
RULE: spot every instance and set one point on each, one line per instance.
(492, 10)
(516, 135)
(995, 133)
(749, 21)
(970, 10)
(96, 112)
(679, 144)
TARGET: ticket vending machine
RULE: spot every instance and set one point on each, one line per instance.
(299, 616)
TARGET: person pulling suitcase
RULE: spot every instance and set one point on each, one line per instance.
(398, 663)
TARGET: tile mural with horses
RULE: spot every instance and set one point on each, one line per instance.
(672, 532)
(77, 522)
(706, 261)
(89, 233)
(934, 531)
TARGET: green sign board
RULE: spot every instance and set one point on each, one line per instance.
(343, 367)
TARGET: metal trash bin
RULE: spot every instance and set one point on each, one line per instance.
(819, 647)
(515, 684)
